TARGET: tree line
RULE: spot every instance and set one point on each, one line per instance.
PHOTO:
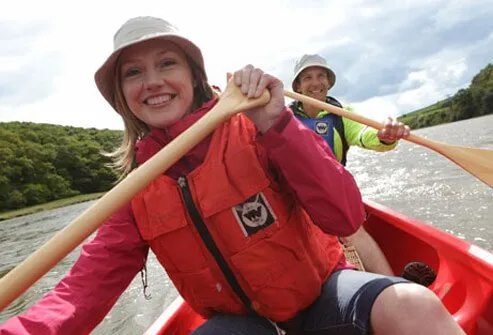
(474, 101)
(44, 162)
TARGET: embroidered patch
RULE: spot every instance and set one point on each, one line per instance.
(254, 214)
(322, 128)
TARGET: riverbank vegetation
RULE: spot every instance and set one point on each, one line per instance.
(40, 163)
(50, 205)
(476, 100)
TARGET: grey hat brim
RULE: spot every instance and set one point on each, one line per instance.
(105, 75)
(330, 73)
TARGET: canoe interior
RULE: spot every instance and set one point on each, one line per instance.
(464, 282)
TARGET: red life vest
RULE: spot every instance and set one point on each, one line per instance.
(278, 256)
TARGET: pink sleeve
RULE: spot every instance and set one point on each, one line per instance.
(327, 191)
(105, 268)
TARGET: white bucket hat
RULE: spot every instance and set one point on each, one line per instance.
(138, 30)
(307, 61)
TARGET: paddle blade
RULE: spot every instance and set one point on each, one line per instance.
(477, 161)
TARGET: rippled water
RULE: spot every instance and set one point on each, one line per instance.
(410, 179)
(423, 184)
(132, 313)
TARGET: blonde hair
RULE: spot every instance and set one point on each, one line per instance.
(135, 129)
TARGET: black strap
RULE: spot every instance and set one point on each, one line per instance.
(339, 126)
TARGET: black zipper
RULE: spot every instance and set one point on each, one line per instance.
(204, 232)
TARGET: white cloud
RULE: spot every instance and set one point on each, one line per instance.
(378, 108)
(456, 11)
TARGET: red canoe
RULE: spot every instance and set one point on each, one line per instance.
(464, 282)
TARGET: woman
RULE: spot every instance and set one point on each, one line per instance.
(244, 230)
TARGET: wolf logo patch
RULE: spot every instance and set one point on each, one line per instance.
(254, 214)
(322, 128)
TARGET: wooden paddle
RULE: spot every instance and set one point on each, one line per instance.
(18, 280)
(478, 162)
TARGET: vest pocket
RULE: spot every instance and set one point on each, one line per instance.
(204, 292)
(238, 178)
(167, 230)
(159, 209)
(279, 274)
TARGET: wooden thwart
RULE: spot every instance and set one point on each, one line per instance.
(351, 254)
(478, 162)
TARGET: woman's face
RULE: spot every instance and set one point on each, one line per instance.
(157, 82)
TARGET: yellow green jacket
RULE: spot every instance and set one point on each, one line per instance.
(354, 133)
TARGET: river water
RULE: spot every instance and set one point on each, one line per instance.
(410, 179)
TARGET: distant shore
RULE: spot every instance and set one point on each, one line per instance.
(50, 205)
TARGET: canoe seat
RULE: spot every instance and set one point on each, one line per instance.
(464, 294)
(351, 254)
(463, 282)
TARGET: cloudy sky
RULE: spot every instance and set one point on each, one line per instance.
(390, 57)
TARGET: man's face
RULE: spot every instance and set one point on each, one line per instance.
(314, 82)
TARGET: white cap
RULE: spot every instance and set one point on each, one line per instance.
(307, 61)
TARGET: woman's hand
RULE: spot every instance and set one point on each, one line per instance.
(393, 131)
(252, 82)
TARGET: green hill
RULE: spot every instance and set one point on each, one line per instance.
(476, 100)
(44, 162)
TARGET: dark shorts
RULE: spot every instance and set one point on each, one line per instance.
(343, 308)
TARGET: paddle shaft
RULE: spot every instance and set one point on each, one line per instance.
(349, 115)
(19, 279)
(477, 161)
(360, 118)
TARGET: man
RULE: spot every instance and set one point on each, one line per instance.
(314, 78)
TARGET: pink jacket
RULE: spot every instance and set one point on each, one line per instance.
(107, 264)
